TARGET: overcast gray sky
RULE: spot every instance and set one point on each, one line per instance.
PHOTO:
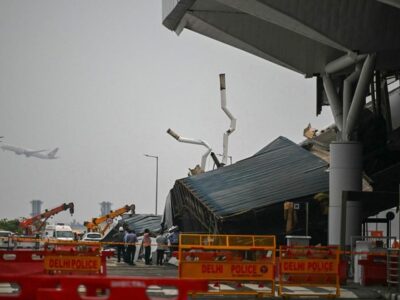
(104, 80)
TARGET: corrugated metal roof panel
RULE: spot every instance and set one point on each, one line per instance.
(140, 222)
(280, 171)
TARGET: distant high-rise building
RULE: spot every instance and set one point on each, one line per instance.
(36, 207)
(105, 207)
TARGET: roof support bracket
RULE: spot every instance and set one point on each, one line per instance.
(346, 111)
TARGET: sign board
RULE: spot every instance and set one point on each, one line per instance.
(227, 271)
(321, 266)
(109, 221)
(311, 266)
(72, 263)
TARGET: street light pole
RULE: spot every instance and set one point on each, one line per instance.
(156, 157)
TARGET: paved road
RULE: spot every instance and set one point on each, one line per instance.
(140, 269)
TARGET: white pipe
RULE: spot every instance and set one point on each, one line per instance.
(232, 127)
(334, 101)
(193, 141)
(337, 65)
(360, 93)
(343, 62)
(347, 96)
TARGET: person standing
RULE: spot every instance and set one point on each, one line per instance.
(126, 231)
(174, 240)
(162, 244)
(119, 238)
(147, 246)
(130, 241)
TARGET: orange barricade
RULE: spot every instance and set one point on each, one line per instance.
(69, 257)
(309, 266)
(241, 260)
(28, 262)
(45, 287)
(21, 262)
(68, 262)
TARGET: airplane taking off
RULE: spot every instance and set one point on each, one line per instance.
(29, 152)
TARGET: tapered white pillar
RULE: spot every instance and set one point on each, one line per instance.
(345, 174)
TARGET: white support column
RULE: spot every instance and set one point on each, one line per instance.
(347, 96)
(346, 156)
(334, 102)
(193, 141)
(360, 93)
(232, 126)
(345, 175)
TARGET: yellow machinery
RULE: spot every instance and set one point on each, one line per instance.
(95, 224)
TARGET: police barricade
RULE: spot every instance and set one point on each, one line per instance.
(71, 260)
(69, 257)
(45, 287)
(23, 262)
(309, 266)
(233, 264)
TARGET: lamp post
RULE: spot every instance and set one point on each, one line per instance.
(156, 157)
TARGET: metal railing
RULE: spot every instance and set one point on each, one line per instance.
(393, 268)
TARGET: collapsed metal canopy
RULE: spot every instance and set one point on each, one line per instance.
(279, 172)
(137, 222)
(300, 35)
(248, 196)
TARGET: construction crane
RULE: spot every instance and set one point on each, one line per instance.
(94, 225)
(36, 223)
